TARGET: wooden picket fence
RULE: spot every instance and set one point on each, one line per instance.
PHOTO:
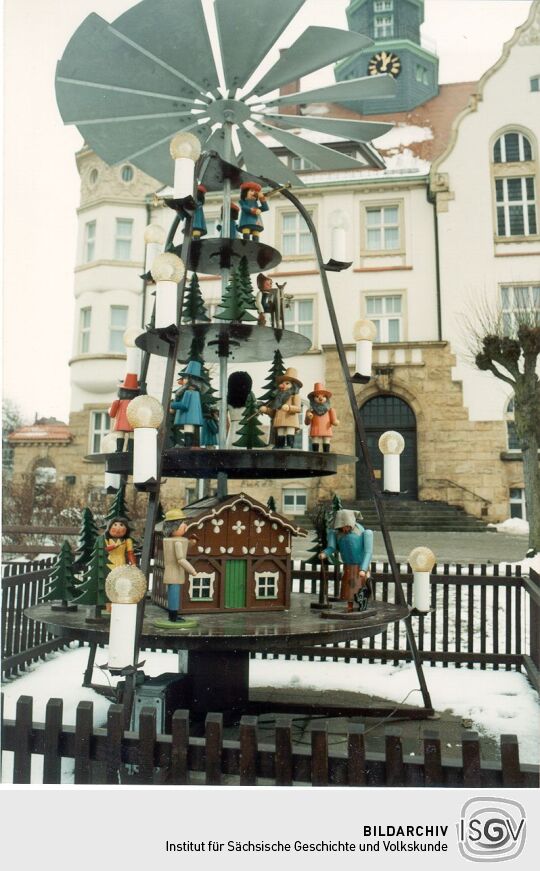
(112, 755)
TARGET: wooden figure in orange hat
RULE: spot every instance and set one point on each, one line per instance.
(285, 408)
(118, 412)
(320, 417)
(252, 203)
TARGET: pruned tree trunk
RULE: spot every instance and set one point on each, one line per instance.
(531, 481)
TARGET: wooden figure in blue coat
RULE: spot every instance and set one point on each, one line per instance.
(252, 203)
(187, 404)
(198, 228)
(355, 547)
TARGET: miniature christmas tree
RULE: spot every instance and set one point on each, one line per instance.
(233, 305)
(62, 583)
(271, 504)
(118, 505)
(250, 431)
(92, 588)
(319, 517)
(277, 368)
(194, 308)
(244, 281)
(87, 538)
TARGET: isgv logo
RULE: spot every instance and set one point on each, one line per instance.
(491, 829)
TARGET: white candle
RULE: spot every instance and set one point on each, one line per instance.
(184, 177)
(122, 636)
(166, 302)
(364, 358)
(421, 591)
(391, 473)
(339, 244)
(144, 454)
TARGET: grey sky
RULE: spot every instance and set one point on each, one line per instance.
(41, 184)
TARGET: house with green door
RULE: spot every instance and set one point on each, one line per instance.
(242, 556)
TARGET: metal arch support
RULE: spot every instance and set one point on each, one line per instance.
(375, 492)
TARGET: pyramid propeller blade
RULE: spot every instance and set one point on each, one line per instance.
(97, 55)
(87, 102)
(247, 32)
(360, 131)
(317, 47)
(176, 33)
(365, 88)
(259, 160)
(324, 158)
(127, 138)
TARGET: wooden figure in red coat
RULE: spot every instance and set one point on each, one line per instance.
(320, 417)
(117, 412)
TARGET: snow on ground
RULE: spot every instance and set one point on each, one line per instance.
(512, 526)
(497, 702)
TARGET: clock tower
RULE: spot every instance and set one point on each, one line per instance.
(394, 25)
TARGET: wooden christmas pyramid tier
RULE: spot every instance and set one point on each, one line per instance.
(242, 343)
(209, 256)
(235, 463)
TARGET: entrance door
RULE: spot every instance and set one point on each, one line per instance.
(235, 583)
(379, 415)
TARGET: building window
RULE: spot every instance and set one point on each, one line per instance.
(301, 163)
(382, 228)
(383, 26)
(100, 425)
(201, 587)
(85, 324)
(535, 83)
(294, 501)
(519, 304)
(512, 148)
(422, 74)
(512, 439)
(93, 177)
(295, 235)
(517, 503)
(122, 241)
(117, 328)
(515, 195)
(386, 314)
(383, 5)
(126, 173)
(266, 585)
(89, 241)
(299, 317)
(516, 206)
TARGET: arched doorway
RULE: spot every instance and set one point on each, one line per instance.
(379, 414)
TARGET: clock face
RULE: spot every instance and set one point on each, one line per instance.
(384, 62)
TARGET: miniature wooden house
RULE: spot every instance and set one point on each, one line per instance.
(242, 557)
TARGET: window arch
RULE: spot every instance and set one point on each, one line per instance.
(515, 180)
(512, 147)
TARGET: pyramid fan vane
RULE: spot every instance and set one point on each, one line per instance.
(130, 85)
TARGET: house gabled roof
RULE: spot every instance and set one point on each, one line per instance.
(205, 509)
(43, 431)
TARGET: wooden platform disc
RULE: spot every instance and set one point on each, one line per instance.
(238, 631)
(209, 256)
(236, 464)
(240, 342)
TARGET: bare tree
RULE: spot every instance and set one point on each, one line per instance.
(509, 348)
